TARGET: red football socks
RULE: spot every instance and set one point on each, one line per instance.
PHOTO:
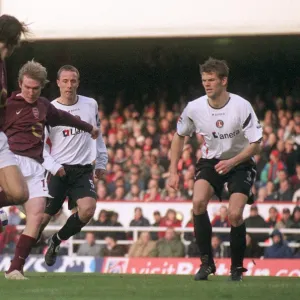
(23, 249)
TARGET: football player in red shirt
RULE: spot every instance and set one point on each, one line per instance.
(13, 185)
(26, 116)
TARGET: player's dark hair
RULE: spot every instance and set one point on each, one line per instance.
(220, 67)
(11, 30)
(69, 68)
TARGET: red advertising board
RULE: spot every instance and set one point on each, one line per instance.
(189, 266)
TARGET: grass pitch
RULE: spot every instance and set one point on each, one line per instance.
(80, 286)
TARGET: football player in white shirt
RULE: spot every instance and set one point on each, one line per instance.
(232, 135)
(70, 162)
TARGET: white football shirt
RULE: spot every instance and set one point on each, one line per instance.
(226, 131)
(72, 146)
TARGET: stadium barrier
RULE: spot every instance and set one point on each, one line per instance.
(166, 266)
(135, 231)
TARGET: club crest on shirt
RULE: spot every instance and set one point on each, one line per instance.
(35, 112)
(219, 123)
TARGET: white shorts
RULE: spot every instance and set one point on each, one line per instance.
(35, 176)
(7, 158)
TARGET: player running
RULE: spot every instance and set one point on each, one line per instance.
(26, 116)
(71, 162)
(13, 189)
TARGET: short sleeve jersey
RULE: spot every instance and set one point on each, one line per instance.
(226, 131)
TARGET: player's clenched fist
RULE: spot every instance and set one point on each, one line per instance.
(95, 132)
(100, 173)
(173, 181)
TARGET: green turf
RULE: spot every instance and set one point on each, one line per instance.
(79, 286)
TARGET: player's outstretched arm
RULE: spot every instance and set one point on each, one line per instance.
(57, 117)
(176, 150)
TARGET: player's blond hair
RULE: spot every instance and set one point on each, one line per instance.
(35, 71)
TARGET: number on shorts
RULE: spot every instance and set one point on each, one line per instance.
(249, 177)
(92, 183)
(44, 184)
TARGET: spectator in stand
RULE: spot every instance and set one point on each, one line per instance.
(169, 246)
(274, 217)
(157, 219)
(118, 182)
(151, 131)
(218, 248)
(136, 178)
(284, 193)
(142, 247)
(270, 190)
(221, 220)
(262, 194)
(119, 194)
(281, 177)
(169, 220)
(295, 180)
(193, 249)
(153, 192)
(296, 197)
(155, 173)
(171, 195)
(256, 221)
(102, 221)
(9, 239)
(112, 248)
(139, 220)
(13, 216)
(285, 221)
(290, 157)
(190, 236)
(269, 173)
(295, 224)
(260, 164)
(120, 235)
(279, 249)
(188, 191)
(89, 248)
(102, 191)
(252, 248)
(135, 194)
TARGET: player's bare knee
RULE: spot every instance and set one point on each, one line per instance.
(20, 196)
(86, 212)
(235, 218)
(199, 206)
